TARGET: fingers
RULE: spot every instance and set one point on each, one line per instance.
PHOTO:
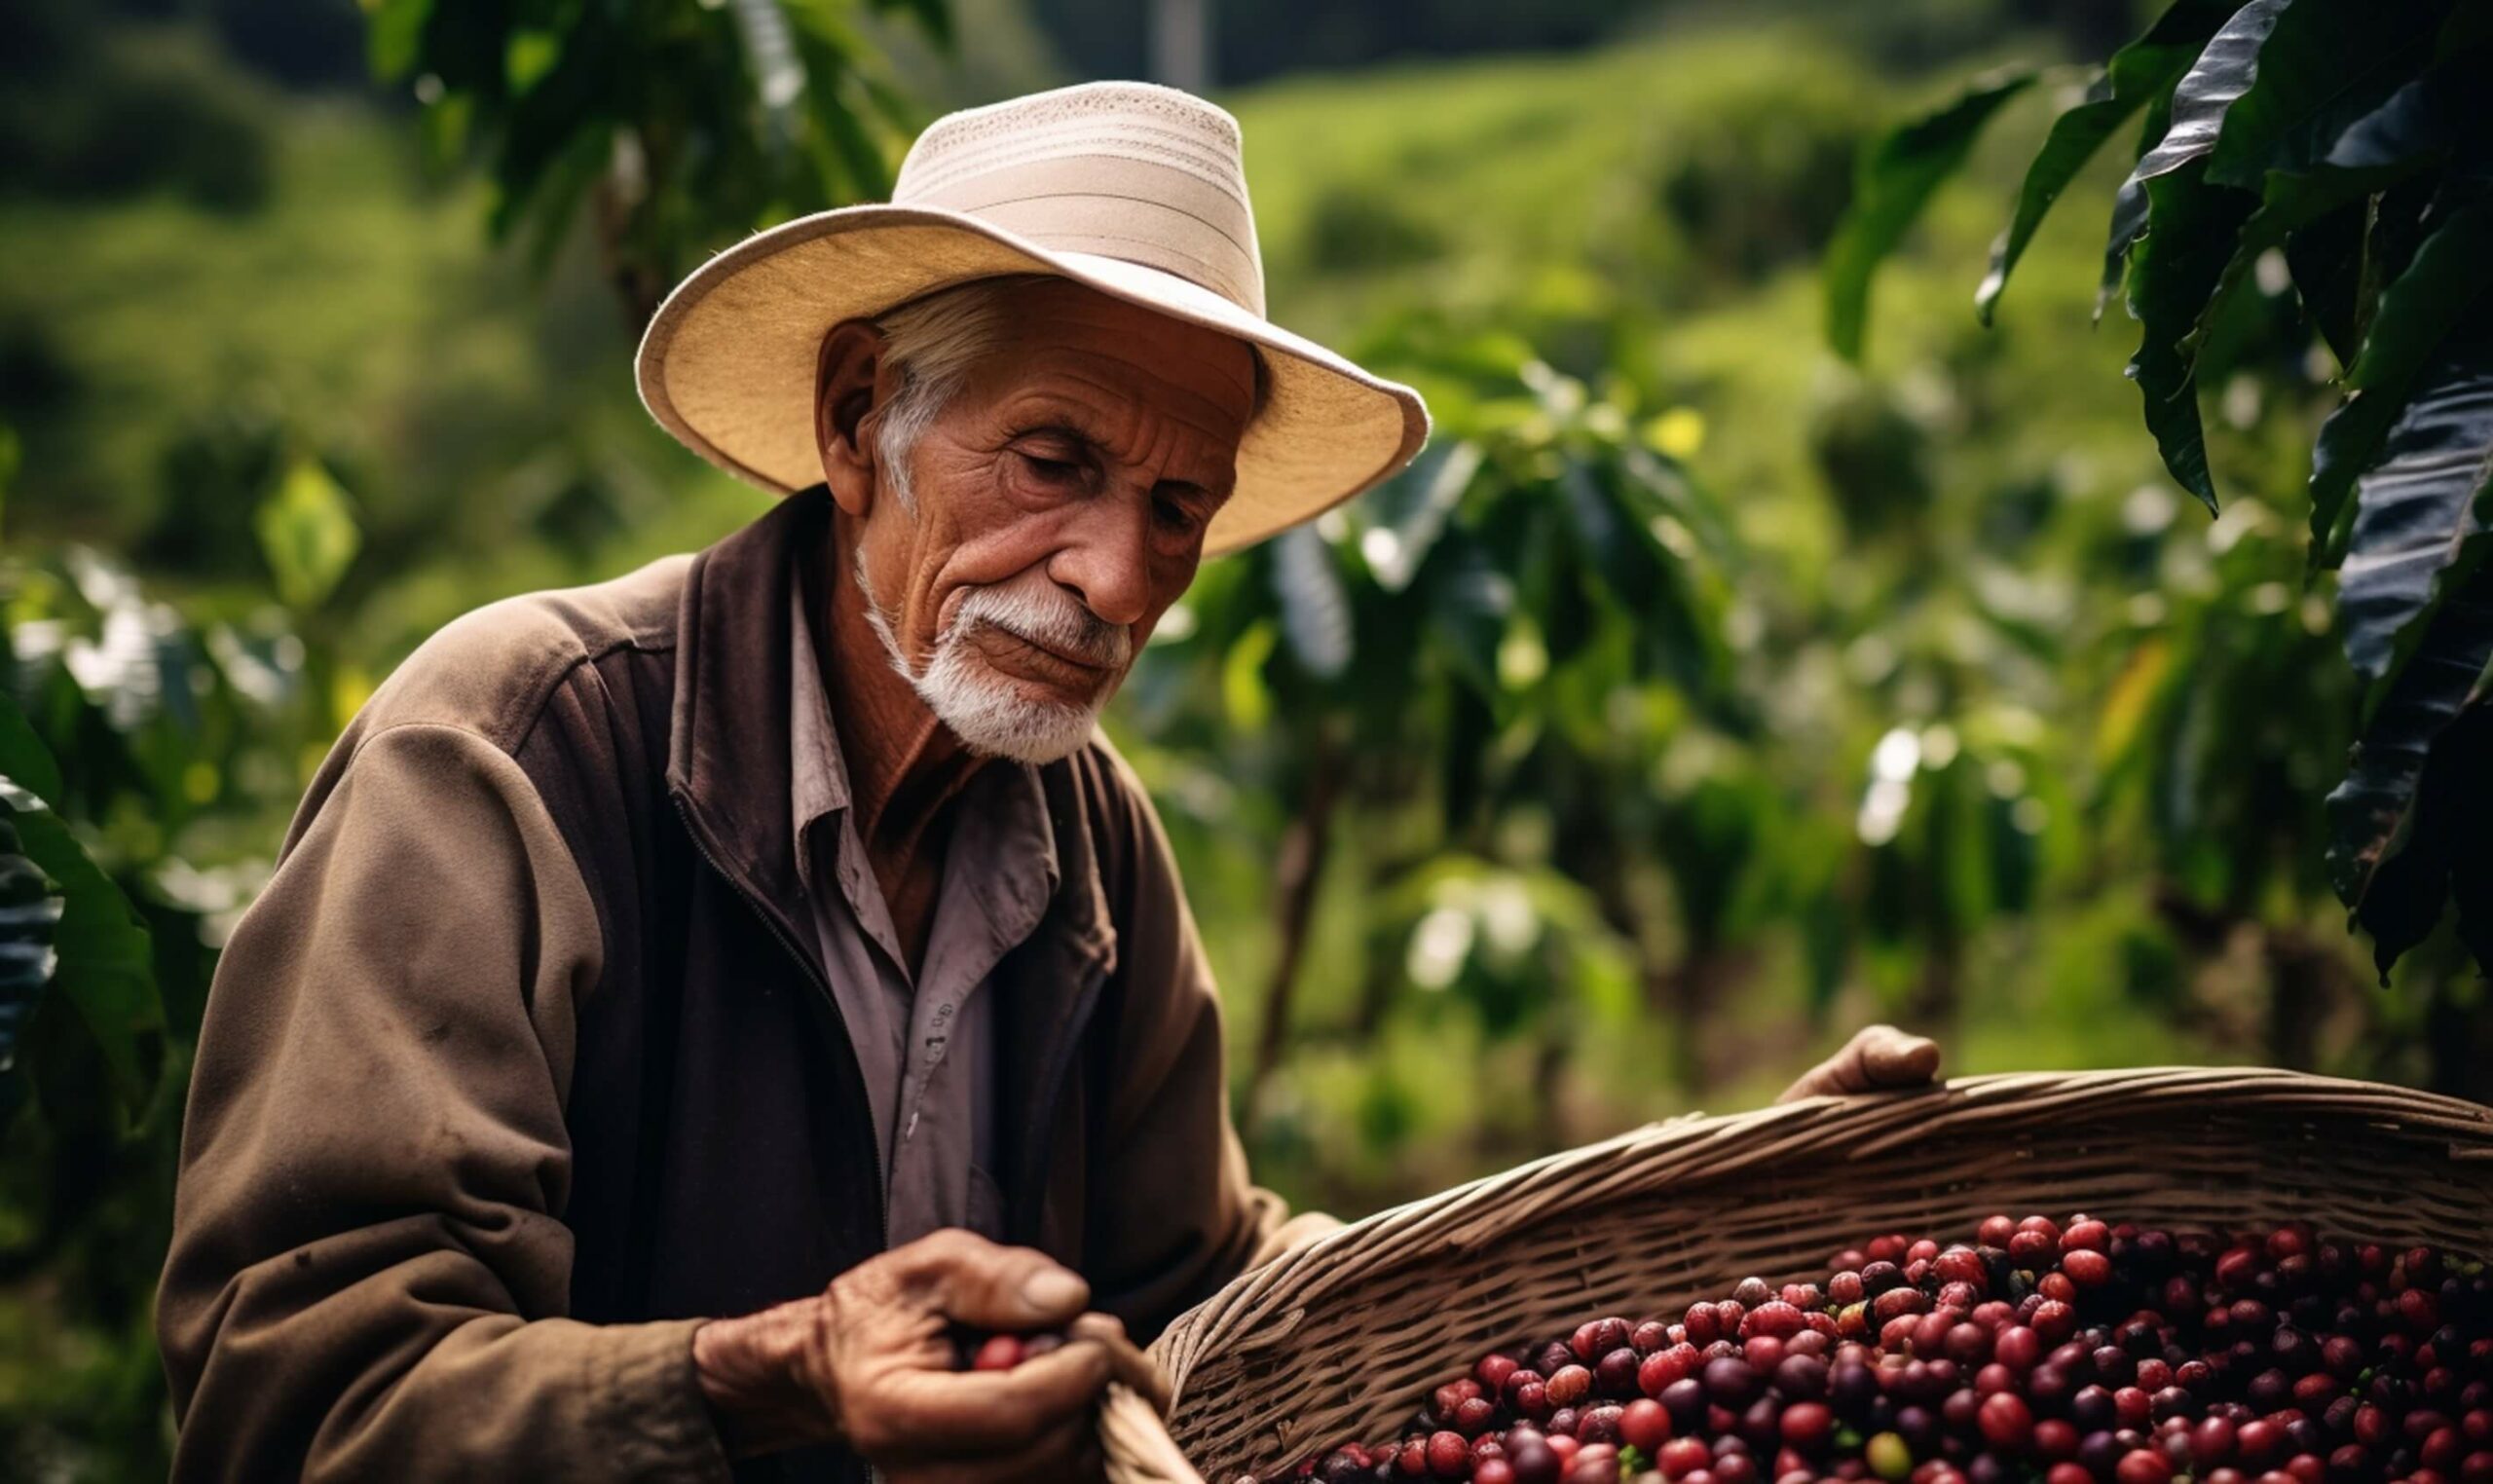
(1128, 1365)
(974, 1281)
(1877, 1058)
(982, 1411)
(1891, 1059)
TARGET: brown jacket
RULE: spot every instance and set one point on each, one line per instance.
(524, 1063)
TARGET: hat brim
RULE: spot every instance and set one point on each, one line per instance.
(727, 365)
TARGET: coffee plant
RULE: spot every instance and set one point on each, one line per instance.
(2345, 151)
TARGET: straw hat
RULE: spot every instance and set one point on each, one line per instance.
(1134, 190)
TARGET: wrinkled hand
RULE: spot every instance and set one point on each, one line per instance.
(1878, 1058)
(869, 1363)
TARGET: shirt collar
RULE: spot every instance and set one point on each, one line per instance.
(1003, 820)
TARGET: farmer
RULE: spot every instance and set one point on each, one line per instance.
(680, 999)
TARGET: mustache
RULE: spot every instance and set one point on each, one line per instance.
(1046, 616)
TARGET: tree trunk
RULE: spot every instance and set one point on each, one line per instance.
(1296, 873)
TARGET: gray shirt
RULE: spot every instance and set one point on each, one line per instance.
(925, 1048)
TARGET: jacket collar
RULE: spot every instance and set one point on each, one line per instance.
(728, 759)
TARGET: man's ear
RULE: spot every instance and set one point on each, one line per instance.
(848, 389)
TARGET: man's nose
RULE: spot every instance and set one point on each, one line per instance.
(1106, 562)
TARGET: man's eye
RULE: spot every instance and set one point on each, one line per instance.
(1175, 516)
(1053, 471)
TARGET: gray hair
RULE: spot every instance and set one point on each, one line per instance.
(931, 342)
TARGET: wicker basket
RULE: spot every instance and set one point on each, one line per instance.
(1337, 1340)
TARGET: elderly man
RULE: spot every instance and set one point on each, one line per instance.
(681, 1002)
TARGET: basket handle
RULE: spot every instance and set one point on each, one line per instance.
(1138, 1444)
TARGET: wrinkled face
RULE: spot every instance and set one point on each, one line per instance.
(1059, 502)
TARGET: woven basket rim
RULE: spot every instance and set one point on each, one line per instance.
(1431, 1223)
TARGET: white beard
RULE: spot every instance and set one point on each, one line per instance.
(993, 716)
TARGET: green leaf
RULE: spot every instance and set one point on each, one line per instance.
(2379, 130)
(2145, 68)
(394, 29)
(832, 85)
(2321, 66)
(2326, 260)
(2421, 516)
(24, 757)
(2451, 266)
(1315, 611)
(308, 535)
(2407, 827)
(9, 452)
(2417, 602)
(2225, 70)
(2184, 126)
(2129, 208)
(1406, 514)
(106, 969)
(29, 914)
(1470, 602)
(2450, 269)
(1891, 182)
(933, 17)
(2177, 266)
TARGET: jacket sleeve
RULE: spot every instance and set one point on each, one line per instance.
(369, 1269)
(1201, 1220)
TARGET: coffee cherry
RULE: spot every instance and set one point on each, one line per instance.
(1534, 1461)
(1682, 1456)
(1731, 1382)
(2006, 1423)
(1645, 1425)
(1598, 1338)
(1807, 1427)
(998, 1353)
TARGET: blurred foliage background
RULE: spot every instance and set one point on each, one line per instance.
(1698, 697)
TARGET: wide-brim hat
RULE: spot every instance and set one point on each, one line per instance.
(1134, 190)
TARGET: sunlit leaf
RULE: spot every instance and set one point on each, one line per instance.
(2184, 126)
(1315, 611)
(2422, 516)
(2320, 67)
(392, 29)
(104, 968)
(2145, 68)
(1406, 513)
(29, 914)
(308, 535)
(24, 758)
(1892, 181)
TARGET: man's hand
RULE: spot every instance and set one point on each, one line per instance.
(1878, 1058)
(870, 1363)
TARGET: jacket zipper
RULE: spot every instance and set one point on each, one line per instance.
(822, 986)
